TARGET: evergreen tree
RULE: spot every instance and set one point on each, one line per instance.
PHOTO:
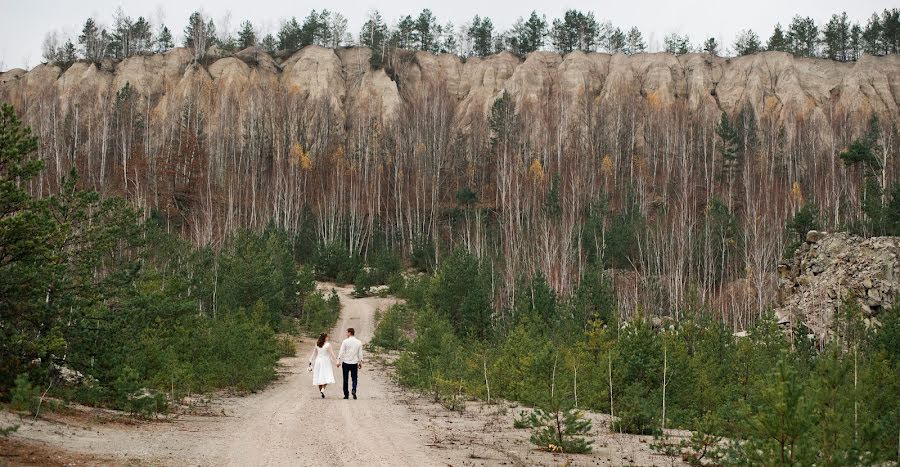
(634, 42)
(617, 42)
(890, 30)
(246, 36)
(779, 425)
(711, 46)
(68, 53)
(528, 36)
(404, 34)
(856, 42)
(269, 44)
(836, 38)
(803, 36)
(449, 44)
(121, 45)
(481, 33)
(872, 36)
(461, 295)
(316, 29)
(559, 430)
(26, 237)
(677, 44)
(778, 41)
(289, 36)
(199, 34)
(575, 31)
(426, 32)
(373, 35)
(746, 43)
(164, 40)
(94, 41)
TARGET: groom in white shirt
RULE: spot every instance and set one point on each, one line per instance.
(350, 359)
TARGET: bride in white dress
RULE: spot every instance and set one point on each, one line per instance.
(320, 363)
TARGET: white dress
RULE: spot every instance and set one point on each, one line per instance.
(322, 363)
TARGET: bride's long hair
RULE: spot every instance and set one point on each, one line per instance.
(321, 341)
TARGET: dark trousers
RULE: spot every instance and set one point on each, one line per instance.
(353, 370)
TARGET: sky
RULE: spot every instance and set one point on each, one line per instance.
(23, 24)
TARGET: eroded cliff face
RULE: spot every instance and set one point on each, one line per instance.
(773, 84)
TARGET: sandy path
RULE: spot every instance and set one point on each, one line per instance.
(281, 428)
(287, 424)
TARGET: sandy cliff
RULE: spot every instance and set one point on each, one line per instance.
(772, 83)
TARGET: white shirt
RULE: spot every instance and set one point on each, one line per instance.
(351, 351)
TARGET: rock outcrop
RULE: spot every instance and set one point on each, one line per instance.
(831, 269)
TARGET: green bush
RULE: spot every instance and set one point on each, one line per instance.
(335, 263)
(559, 431)
(362, 283)
(320, 314)
(286, 347)
(393, 327)
(25, 397)
(384, 265)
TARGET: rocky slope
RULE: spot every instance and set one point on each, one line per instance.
(772, 83)
(829, 269)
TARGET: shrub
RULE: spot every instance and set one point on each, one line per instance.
(559, 430)
(320, 314)
(25, 397)
(334, 262)
(393, 326)
(286, 347)
(362, 283)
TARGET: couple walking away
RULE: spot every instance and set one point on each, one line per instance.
(349, 359)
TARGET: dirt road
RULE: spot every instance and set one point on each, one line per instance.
(287, 424)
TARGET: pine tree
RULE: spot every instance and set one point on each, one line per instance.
(560, 430)
(25, 237)
(246, 36)
(289, 36)
(677, 44)
(836, 38)
(634, 42)
(426, 32)
(575, 31)
(269, 44)
(746, 43)
(528, 36)
(777, 430)
(164, 40)
(803, 36)
(872, 36)
(616, 42)
(711, 46)
(94, 41)
(449, 44)
(806, 219)
(373, 35)
(777, 41)
(481, 33)
(68, 53)
(199, 34)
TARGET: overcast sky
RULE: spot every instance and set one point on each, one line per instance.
(23, 23)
